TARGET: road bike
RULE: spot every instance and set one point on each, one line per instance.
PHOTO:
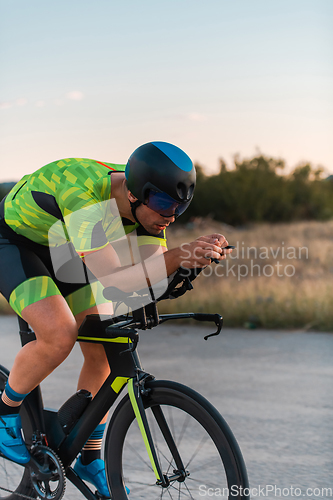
(163, 438)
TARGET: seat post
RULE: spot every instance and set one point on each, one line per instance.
(26, 334)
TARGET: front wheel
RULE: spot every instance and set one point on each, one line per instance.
(212, 463)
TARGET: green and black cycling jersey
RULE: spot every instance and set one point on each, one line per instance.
(63, 204)
(72, 191)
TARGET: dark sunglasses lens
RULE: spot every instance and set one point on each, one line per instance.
(163, 204)
(181, 208)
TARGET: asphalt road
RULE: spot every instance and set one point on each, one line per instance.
(275, 389)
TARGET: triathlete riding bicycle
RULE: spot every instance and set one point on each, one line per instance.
(65, 197)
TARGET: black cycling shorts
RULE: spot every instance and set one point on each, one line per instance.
(27, 275)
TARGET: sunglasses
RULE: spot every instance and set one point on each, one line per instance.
(164, 205)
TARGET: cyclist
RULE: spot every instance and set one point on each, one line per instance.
(149, 192)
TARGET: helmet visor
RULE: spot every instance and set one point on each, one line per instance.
(164, 205)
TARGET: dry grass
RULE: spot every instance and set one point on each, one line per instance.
(266, 296)
(303, 300)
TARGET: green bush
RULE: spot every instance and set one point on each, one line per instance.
(255, 190)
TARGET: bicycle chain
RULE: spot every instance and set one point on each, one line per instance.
(18, 494)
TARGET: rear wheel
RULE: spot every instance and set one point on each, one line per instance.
(207, 460)
(15, 483)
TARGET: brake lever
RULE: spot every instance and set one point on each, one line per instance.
(131, 349)
(217, 318)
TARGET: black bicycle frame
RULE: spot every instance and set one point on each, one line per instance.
(119, 345)
(125, 365)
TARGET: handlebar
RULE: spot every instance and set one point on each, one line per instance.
(146, 316)
(128, 327)
(216, 318)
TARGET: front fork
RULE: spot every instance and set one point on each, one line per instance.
(135, 390)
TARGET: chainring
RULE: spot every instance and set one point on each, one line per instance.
(49, 481)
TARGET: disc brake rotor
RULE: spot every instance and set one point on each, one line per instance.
(49, 480)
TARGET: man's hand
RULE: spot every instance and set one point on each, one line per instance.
(199, 252)
(219, 240)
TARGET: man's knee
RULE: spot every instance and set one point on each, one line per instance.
(57, 341)
(54, 326)
(93, 353)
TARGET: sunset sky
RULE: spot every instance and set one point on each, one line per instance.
(215, 77)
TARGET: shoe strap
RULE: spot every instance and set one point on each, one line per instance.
(9, 430)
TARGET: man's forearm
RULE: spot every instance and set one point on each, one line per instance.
(106, 268)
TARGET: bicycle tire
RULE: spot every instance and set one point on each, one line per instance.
(15, 483)
(226, 474)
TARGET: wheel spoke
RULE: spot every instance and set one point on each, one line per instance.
(144, 487)
(188, 490)
(199, 447)
(183, 492)
(141, 458)
(185, 425)
(171, 464)
(168, 490)
(207, 463)
(202, 481)
(11, 475)
(143, 484)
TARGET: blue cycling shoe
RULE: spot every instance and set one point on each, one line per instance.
(11, 440)
(94, 473)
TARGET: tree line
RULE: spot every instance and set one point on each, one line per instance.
(255, 190)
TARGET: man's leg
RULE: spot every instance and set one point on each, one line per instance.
(95, 370)
(56, 332)
(95, 367)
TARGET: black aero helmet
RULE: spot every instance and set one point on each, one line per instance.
(162, 177)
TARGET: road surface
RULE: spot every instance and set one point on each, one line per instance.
(275, 389)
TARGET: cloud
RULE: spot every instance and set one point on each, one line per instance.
(5, 105)
(22, 101)
(75, 95)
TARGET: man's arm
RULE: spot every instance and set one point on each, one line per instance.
(105, 264)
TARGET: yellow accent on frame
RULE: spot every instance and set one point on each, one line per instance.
(118, 383)
(117, 340)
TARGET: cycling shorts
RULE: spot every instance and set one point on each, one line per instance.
(27, 275)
